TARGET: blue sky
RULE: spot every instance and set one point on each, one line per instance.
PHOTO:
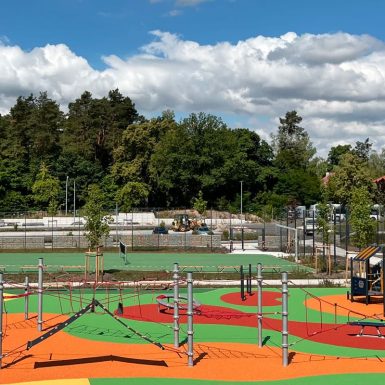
(248, 61)
(93, 28)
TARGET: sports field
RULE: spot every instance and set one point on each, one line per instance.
(14, 262)
(97, 349)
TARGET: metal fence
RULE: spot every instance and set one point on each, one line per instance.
(288, 234)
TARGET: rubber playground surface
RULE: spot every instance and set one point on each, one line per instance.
(97, 349)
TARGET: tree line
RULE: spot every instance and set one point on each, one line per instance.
(161, 162)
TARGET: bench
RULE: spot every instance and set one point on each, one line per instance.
(365, 324)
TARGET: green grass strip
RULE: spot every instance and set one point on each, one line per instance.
(338, 379)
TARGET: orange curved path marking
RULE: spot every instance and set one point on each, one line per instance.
(345, 307)
(64, 356)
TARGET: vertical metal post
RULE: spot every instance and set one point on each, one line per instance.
(383, 279)
(74, 201)
(346, 231)
(242, 283)
(249, 281)
(285, 314)
(259, 280)
(313, 231)
(176, 304)
(66, 195)
(40, 297)
(334, 238)
(1, 317)
(117, 226)
(25, 230)
(132, 229)
(26, 298)
(190, 312)
(304, 232)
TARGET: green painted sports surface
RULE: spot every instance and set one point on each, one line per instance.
(146, 261)
(340, 379)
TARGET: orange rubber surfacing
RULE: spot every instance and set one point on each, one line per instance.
(345, 307)
(64, 356)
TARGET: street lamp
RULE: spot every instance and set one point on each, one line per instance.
(241, 200)
(241, 215)
(66, 195)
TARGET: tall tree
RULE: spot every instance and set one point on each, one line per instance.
(97, 220)
(46, 190)
(352, 172)
(363, 226)
(292, 144)
(336, 153)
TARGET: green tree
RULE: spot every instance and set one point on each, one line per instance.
(335, 155)
(323, 222)
(298, 186)
(131, 195)
(46, 189)
(291, 144)
(352, 172)
(97, 220)
(200, 204)
(362, 149)
(363, 227)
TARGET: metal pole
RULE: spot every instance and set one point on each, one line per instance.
(241, 200)
(304, 233)
(249, 281)
(383, 280)
(66, 195)
(285, 314)
(26, 298)
(117, 231)
(190, 312)
(40, 297)
(334, 238)
(132, 229)
(242, 283)
(75, 201)
(1, 317)
(243, 246)
(176, 304)
(259, 280)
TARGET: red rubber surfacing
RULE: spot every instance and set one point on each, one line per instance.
(269, 298)
(337, 335)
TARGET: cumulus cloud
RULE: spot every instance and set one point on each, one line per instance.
(334, 81)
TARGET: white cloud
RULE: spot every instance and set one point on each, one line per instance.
(335, 81)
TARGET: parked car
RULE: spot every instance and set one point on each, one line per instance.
(160, 230)
(203, 230)
(310, 226)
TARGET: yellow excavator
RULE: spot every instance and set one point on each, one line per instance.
(183, 223)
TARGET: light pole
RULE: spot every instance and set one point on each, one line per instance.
(241, 214)
(66, 195)
(241, 199)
